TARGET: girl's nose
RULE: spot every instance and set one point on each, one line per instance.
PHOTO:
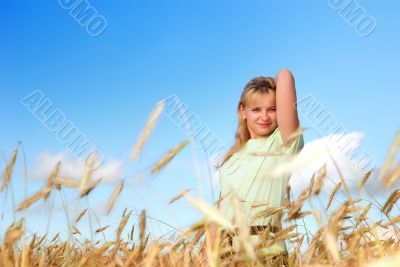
(265, 116)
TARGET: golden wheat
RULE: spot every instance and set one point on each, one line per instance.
(167, 158)
(147, 130)
(114, 196)
(29, 201)
(9, 169)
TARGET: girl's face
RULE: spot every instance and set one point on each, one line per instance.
(261, 115)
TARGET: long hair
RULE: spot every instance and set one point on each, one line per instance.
(255, 86)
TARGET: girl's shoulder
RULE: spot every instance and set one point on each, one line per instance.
(274, 142)
(292, 147)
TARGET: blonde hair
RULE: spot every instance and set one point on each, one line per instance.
(257, 85)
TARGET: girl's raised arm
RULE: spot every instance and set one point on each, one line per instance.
(286, 111)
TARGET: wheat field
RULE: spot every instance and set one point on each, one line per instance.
(348, 237)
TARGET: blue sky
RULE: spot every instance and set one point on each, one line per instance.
(202, 51)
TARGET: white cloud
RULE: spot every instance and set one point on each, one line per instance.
(336, 152)
(73, 168)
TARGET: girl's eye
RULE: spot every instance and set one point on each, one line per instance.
(257, 109)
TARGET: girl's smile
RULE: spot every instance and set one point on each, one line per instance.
(260, 116)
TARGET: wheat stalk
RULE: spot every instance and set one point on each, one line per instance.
(9, 169)
(333, 193)
(151, 122)
(81, 214)
(29, 201)
(179, 196)
(114, 196)
(390, 158)
(83, 183)
(167, 158)
(391, 201)
(67, 182)
(364, 180)
(321, 175)
(101, 229)
(122, 226)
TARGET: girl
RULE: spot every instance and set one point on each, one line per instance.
(267, 117)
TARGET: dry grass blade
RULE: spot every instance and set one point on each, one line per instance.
(394, 262)
(257, 204)
(41, 240)
(210, 212)
(391, 201)
(340, 212)
(293, 258)
(221, 198)
(364, 214)
(196, 238)
(67, 182)
(29, 201)
(32, 245)
(25, 255)
(89, 189)
(179, 196)
(75, 230)
(333, 193)
(313, 245)
(286, 236)
(54, 174)
(294, 136)
(104, 248)
(364, 180)
(83, 212)
(390, 158)
(286, 231)
(394, 220)
(83, 261)
(267, 154)
(51, 179)
(83, 183)
(147, 130)
(55, 237)
(303, 214)
(317, 216)
(268, 212)
(9, 169)
(294, 209)
(170, 155)
(311, 185)
(122, 225)
(202, 224)
(131, 233)
(319, 182)
(13, 233)
(114, 196)
(394, 175)
(151, 254)
(142, 226)
(242, 223)
(288, 194)
(330, 243)
(101, 229)
(124, 212)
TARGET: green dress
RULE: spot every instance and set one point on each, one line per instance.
(250, 177)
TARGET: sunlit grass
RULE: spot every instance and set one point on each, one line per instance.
(346, 234)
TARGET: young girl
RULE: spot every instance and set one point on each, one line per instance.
(267, 118)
